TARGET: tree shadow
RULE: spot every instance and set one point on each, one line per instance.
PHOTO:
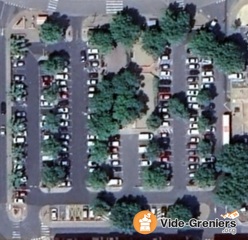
(135, 69)
(210, 114)
(136, 17)
(191, 10)
(192, 203)
(239, 139)
(107, 197)
(181, 96)
(62, 53)
(62, 20)
(140, 199)
(213, 91)
(238, 39)
(144, 99)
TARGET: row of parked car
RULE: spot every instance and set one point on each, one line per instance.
(201, 76)
(55, 120)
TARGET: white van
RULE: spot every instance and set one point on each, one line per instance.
(47, 158)
(115, 182)
(142, 149)
(193, 132)
(145, 136)
(235, 76)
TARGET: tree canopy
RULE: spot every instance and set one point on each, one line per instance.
(102, 39)
(177, 108)
(52, 176)
(51, 32)
(227, 55)
(204, 148)
(154, 177)
(175, 24)
(153, 121)
(204, 96)
(98, 179)
(203, 123)
(18, 46)
(53, 65)
(100, 207)
(99, 151)
(122, 214)
(124, 30)
(180, 212)
(205, 177)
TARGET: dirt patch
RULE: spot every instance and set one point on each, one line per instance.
(116, 60)
(140, 56)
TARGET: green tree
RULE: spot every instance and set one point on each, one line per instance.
(52, 176)
(18, 46)
(175, 24)
(53, 65)
(51, 94)
(153, 121)
(204, 96)
(203, 44)
(51, 32)
(99, 152)
(203, 123)
(230, 58)
(98, 179)
(179, 211)
(103, 125)
(177, 108)
(124, 30)
(233, 159)
(15, 179)
(51, 123)
(154, 177)
(102, 39)
(17, 91)
(51, 147)
(122, 214)
(100, 207)
(205, 177)
(17, 152)
(153, 149)
(204, 148)
(154, 41)
(16, 126)
(232, 191)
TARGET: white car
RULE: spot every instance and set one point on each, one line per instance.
(64, 123)
(62, 83)
(90, 95)
(192, 175)
(193, 106)
(193, 131)
(207, 73)
(63, 110)
(18, 64)
(236, 76)
(165, 123)
(65, 136)
(65, 116)
(192, 60)
(65, 70)
(193, 125)
(193, 166)
(165, 74)
(54, 214)
(192, 93)
(194, 139)
(206, 61)
(19, 77)
(193, 119)
(62, 76)
(92, 82)
(19, 139)
(92, 51)
(92, 89)
(206, 85)
(193, 66)
(91, 137)
(191, 99)
(193, 86)
(207, 79)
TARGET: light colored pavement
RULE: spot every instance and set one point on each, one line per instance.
(114, 6)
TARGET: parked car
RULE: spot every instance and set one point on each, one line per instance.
(192, 60)
(192, 93)
(192, 99)
(165, 66)
(193, 166)
(207, 79)
(93, 75)
(92, 82)
(193, 131)
(206, 61)
(193, 66)
(194, 72)
(165, 74)
(194, 139)
(193, 119)
(192, 79)
(236, 76)
(192, 175)
(63, 110)
(193, 159)
(207, 73)
(193, 86)
(3, 108)
(193, 125)
(18, 63)
(54, 214)
(193, 105)
(83, 56)
(19, 77)
(93, 51)
(3, 130)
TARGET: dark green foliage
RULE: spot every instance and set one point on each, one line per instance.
(204, 148)
(100, 207)
(154, 177)
(205, 177)
(204, 96)
(153, 121)
(53, 65)
(51, 32)
(177, 108)
(154, 41)
(122, 214)
(99, 152)
(51, 147)
(175, 25)
(18, 46)
(124, 30)
(179, 211)
(227, 55)
(98, 179)
(51, 123)
(52, 176)
(102, 39)
(153, 149)
(203, 123)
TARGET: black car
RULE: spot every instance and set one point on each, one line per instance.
(83, 55)
(3, 107)
(194, 72)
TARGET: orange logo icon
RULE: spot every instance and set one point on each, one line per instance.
(145, 222)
